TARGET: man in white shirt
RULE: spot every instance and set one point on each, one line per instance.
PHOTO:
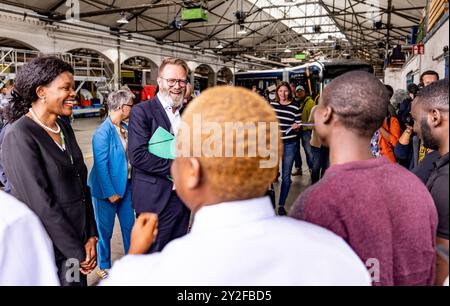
(26, 252)
(236, 238)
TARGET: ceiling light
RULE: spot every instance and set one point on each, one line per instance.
(287, 50)
(242, 30)
(219, 46)
(123, 19)
(129, 38)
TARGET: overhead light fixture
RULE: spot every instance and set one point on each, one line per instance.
(377, 25)
(242, 30)
(219, 46)
(287, 50)
(129, 38)
(123, 19)
(176, 23)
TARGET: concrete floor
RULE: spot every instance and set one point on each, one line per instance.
(84, 129)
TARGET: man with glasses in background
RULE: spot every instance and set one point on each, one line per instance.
(153, 190)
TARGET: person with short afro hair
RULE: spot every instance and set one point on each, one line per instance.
(383, 211)
(359, 108)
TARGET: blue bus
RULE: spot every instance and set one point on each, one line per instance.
(313, 77)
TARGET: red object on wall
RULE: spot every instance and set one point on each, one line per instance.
(419, 49)
(148, 92)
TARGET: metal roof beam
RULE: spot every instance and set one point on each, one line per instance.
(57, 5)
(138, 14)
(133, 9)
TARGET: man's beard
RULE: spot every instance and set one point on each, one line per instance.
(176, 103)
(428, 141)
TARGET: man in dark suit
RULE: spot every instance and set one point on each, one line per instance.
(153, 189)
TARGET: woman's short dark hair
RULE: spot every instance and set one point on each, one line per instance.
(286, 84)
(39, 72)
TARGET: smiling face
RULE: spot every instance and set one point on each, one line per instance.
(175, 93)
(59, 94)
(283, 93)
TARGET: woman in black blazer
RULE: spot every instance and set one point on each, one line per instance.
(45, 166)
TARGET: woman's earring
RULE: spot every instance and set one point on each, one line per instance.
(43, 99)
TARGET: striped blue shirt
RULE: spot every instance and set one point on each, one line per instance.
(287, 115)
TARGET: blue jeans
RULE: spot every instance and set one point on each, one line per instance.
(306, 138)
(289, 152)
(105, 214)
(320, 162)
(298, 157)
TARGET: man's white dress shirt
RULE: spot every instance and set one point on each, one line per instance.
(174, 118)
(26, 251)
(244, 243)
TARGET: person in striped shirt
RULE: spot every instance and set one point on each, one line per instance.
(288, 115)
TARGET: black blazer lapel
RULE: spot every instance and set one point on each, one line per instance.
(162, 119)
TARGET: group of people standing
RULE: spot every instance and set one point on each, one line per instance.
(44, 166)
(366, 221)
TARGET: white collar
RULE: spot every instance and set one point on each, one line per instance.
(231, 214)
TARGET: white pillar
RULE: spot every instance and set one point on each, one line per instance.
(212, 79)
(116, 75)
(154, 75)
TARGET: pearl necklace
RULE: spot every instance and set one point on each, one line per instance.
(58, 129)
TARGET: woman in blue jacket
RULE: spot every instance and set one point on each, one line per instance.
(110, 178)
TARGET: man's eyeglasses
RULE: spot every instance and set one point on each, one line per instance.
(172, 82)
(130, 105)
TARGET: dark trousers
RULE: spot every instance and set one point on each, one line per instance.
(289, 151)
(320, 162)
(173, 222)
(298, 157)
(306, 139)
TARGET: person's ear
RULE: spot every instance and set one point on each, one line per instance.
(435, 116)
(41, 92)
(193, 173)
(327, 115)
